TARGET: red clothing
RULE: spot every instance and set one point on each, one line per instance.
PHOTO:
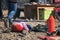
(19, 26)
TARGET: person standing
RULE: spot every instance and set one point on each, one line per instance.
(0, 10)
(12, 8)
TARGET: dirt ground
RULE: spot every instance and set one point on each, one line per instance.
(19, 36)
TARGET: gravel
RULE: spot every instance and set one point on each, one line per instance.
(18, 35)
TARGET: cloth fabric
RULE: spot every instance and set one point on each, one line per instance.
(12, 1)
(21, 3)
(33, 0)
(17, 15)
(20, 7)
(23, 25)
(0, 10)
(12, 8)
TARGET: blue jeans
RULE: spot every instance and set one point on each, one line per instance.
(12, 8)
(0, 10)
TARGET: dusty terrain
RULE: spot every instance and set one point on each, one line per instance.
(19, 36)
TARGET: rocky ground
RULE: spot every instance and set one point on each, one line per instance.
(19, 36)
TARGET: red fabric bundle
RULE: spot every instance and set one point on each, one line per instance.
(17, 27)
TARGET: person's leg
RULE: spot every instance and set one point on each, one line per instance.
(12, 8)
(30, 27)
(18, 13)
(0, 10)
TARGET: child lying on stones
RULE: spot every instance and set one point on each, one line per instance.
(20, 26)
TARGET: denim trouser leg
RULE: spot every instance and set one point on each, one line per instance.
(0, 10)
(12, 8)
